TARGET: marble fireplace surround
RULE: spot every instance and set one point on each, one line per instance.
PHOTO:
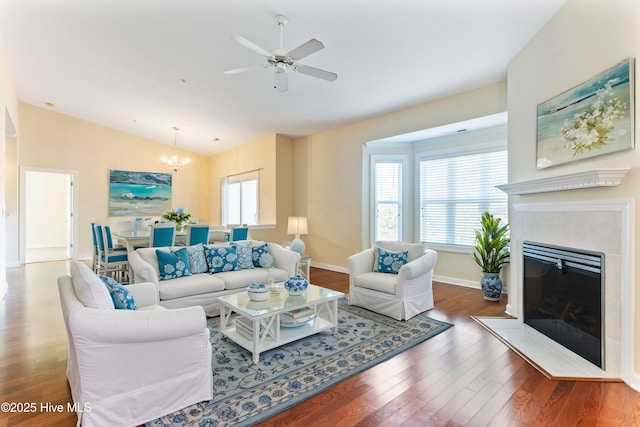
(602, 226)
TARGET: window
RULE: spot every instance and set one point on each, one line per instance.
(240, 199)
(387, 194)
(455, 190)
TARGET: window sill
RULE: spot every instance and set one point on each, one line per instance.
(262, 227)
(449, 248)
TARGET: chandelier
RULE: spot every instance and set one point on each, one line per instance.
(172, 162)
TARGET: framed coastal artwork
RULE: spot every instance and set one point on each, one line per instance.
(139, 193)
(591, 119)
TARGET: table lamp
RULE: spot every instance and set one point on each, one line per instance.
(297, 226)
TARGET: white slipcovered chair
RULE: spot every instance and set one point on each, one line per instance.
(401, 295)
(128, 367)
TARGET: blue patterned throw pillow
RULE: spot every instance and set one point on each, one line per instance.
(266, 261)
(390, 262)
(173, 264)
(244, 252)
(122, 298)
(221, 258)
(197, 260)
(256, 252)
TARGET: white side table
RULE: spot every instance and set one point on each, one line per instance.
(304, 267)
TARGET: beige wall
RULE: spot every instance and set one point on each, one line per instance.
(273, 157)
(584, 38)
(51, 140)
(12, 201)
(256, 155)
(331, 189)
(8, 114)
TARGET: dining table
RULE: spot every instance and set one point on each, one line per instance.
(140, 238)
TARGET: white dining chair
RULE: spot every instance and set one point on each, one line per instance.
(162, 234)
(111, 261)
(239, 233)
(197, 233)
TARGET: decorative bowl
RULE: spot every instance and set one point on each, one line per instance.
(258, 292)
(296, 285)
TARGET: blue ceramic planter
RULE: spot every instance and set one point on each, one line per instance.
(491, 286)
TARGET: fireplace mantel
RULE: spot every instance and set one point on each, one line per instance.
(587, 179)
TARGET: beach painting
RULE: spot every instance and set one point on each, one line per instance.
(591, 119)
(139, 193)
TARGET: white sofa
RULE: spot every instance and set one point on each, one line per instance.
(401, 295)
(128, 367)
(203, 289)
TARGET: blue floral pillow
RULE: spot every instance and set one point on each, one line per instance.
(266, 261)
(173, 264)
(197, 260)
(221, 258)
(256, 252)
(122, 298)
(390, 262)
(244, 252)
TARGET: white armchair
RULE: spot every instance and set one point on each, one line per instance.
(128, 367)
(401, 295)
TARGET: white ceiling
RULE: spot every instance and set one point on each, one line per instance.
(144, 66)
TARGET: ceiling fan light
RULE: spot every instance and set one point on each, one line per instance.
(280, 58)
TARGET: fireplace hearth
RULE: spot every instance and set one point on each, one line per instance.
(563, 291)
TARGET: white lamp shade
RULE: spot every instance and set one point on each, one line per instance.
(297, 225)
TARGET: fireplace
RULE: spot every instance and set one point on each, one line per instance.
(563, 297)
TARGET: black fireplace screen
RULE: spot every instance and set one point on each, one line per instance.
(563, 297)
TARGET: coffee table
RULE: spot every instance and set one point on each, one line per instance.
(269, 324)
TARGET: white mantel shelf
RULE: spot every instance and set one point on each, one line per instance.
(572, 181)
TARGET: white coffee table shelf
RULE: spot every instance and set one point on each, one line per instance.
(265, 317)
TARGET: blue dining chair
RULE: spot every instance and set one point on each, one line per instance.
(162, 234)
(197, 233)
(112, 261)
(239, 233)
(96, 254)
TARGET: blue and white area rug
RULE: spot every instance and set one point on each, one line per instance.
(245, 393)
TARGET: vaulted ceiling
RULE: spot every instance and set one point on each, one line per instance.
(145, 66)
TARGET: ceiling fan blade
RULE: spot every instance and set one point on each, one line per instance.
(305, 49)
(243, 69)
(315, 72)
(250, 45)
(282, 82)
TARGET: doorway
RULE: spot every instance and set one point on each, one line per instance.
(48, 198)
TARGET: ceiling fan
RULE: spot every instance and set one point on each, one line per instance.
(281, 60)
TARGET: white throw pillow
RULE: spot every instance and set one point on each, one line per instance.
(89, 288)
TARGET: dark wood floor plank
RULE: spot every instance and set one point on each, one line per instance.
(462, 377)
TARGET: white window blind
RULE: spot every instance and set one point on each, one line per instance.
(240, 198)
(387, 199)
(454, 191)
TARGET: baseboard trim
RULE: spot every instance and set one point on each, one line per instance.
(50, 245)
(443, 279)
(457, 282)
(330, 267)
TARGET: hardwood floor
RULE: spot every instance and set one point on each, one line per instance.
(463, 376)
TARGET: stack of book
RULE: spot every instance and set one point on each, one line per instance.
(297, 317)
(244, 327)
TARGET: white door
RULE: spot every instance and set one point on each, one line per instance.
(48, 202)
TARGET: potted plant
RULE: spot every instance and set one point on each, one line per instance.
(491, 253)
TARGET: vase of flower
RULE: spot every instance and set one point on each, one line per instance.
(179, 216)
